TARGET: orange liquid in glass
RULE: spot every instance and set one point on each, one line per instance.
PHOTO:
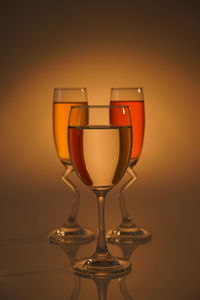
(138, 122)
(61, 112)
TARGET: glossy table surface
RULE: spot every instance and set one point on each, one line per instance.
(32, 268)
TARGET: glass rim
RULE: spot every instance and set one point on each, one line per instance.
(99, 106)
(126, 94)
(71, 89)
(67, 94)
(128, 88)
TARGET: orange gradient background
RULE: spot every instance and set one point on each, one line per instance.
(99, 46)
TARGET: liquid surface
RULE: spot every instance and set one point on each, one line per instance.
(138, 122)
(61, 112)
(100, 154)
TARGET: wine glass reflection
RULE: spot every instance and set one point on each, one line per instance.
(102, 284)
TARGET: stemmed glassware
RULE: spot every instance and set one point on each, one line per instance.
(63, 99)
(134, 98)
(100, 148)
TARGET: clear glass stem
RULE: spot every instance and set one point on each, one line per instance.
(101, 251)
(76, 196)
(76, 291)
(102, 287)
(123, 289)
(126, 219)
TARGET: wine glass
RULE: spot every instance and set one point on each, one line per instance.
(100, 151)
(63, 99)
(134, 98)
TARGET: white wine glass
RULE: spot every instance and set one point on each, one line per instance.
(63, 99)
(100, 151)
(134, 98)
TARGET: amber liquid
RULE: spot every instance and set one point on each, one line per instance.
(100, 154)
(61, 112)
(138, 122)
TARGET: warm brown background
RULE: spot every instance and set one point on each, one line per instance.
(99, 45)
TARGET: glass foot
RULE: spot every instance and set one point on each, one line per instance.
(73, 234)
(132, 234)
(112, 267)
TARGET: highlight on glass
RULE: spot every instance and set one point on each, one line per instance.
(100, 149)
(128, 231)
(63, 99)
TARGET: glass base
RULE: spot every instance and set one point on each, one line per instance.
(112, 267)
(132, 234)
(71, 235)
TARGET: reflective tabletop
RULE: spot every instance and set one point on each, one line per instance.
(33, 268)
